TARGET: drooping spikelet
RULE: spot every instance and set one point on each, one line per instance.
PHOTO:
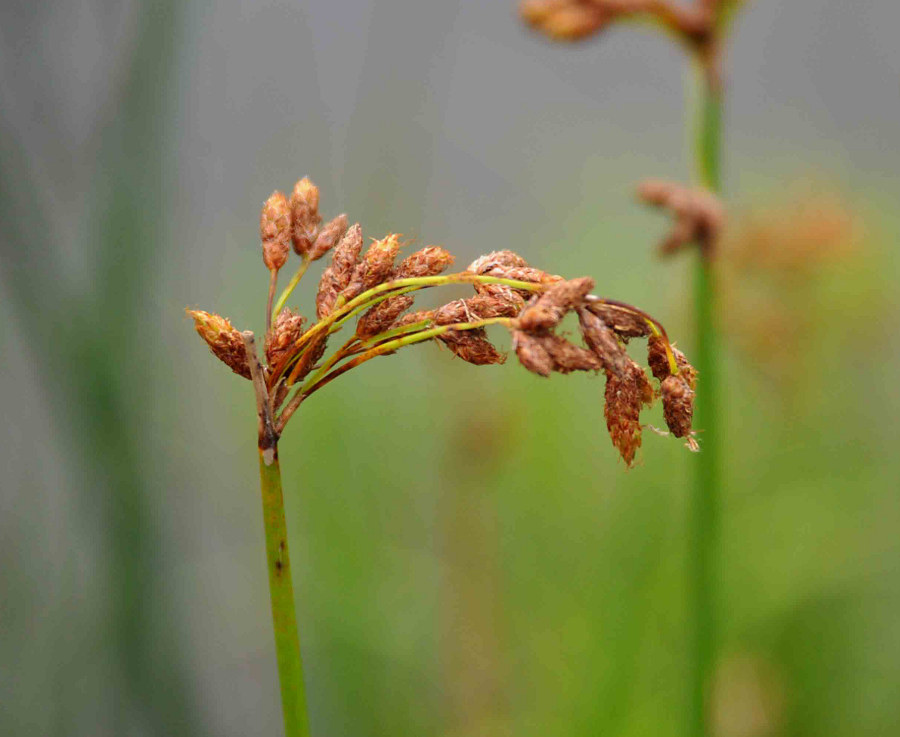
(472, 346)
(275, 231)
(601, 339)
(625, 396)
(624, 322)
(677, 390)
(223, 339)
(532, 354)
(337, 276)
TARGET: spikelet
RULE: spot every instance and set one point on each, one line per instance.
(305, 217)
(223, 339)
(275, 231)
(429, 261)
(376, 266)
(328, 236)
(285, 332)
(472, 346)
(601, 339)
(337, 276)
(548, 309)
(382, 316)
(625, 397)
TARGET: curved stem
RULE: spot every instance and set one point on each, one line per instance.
(295, 280)
(704, 508)
(281, 591)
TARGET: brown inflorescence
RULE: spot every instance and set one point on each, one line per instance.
(284, 334)
(223, 339)
(532, 307)
(697, 215)
(275, 231)
(305, 217)
(337, 276)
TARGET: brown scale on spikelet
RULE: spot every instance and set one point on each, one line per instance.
(337, 276)
(625, 323)
(496, 259)
(275, 231)
(472, 346)
(479, 307)
(376, 266)
(504, 293)
(330, 234)
(414, 317)
(382, 316)
(548, 309)
(602, 340)
(285, 332)
(532, 354)
(305, 217)
(429, 261)
(625, 397)
(223, 339)
(697, 214)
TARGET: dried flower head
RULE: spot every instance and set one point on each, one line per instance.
(305, 217)
(275, 231)
(369, 287)
(697, 215)
(223, 339)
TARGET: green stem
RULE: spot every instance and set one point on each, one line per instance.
(295, 280)
(704, 508)
(284, 618)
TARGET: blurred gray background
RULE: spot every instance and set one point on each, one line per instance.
(471, 559)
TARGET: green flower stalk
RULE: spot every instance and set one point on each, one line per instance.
(369, 286)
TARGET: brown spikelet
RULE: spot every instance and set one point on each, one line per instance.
(506, 294)
(287, 329)
(625, 323)
(382, 316)
(550, 307)
(658, 361)
(601, 339)
(496, 259)
(305, 217)
(275, 231)
(568, 357)
(413, 317)
(697, 214)
(223, 339)
(565, 21)
(532, 354)
(337, 276)
(429, 261)
(479, 307)
(472, 346)
(377, 266)
(328, 236)
(678, 405)
(625, 396)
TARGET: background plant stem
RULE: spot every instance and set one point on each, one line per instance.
(704, 507)
(281, 589)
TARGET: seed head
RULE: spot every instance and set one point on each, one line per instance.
(625, 396)
(472, 346)
(532, 354)
(625, 323)
(382, 316)
(377, 266)
(678, 405)
(223, 339)
(429, 261)
(697, 214)
(328, 236)
(547, 310)
(601, 339)
(305, 216)
(285, 332)
(275, 231)
(337, 276)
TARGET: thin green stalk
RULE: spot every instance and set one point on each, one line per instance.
(284, 617)
(704, 507)
(295, 280)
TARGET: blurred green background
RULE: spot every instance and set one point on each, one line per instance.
(471, 558)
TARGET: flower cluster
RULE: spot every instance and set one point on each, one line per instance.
(376, 287)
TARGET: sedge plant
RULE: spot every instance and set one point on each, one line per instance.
(367, 296)
(701, 27)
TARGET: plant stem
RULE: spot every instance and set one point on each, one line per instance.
(295, 280)
(704, 507)
(284, 618)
